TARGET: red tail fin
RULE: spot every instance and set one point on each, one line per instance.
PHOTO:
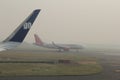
(38, 41)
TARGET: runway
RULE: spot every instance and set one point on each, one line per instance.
(110, 64)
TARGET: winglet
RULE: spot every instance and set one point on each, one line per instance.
(19, 34)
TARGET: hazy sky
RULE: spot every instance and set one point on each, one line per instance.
(65, 21)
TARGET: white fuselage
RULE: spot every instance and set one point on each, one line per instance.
(62, 46)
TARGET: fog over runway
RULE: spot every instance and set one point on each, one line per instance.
(110, 64)
(67, 21)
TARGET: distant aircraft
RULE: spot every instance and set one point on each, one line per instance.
(60, 47)
(17, 37)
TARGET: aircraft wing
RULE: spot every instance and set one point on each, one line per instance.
(17, 37)
(2, 49)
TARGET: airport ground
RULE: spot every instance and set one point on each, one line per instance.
(110, 64)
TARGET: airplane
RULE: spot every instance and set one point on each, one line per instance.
(60, 47)
(18, 35)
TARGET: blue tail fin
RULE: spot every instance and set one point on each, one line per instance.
(19, 34)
